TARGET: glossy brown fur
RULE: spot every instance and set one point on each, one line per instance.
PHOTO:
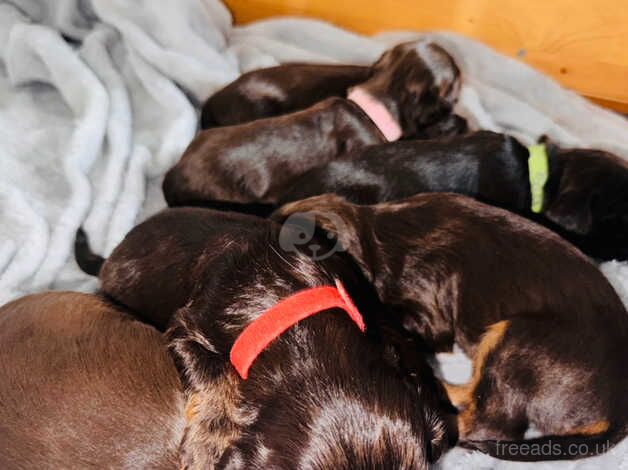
(587, 200)
(586, 197)
(417, 82)
(453, 268)
(83, 385)
(246, 163)
(279, 90)
(323, 395)
(154, 269)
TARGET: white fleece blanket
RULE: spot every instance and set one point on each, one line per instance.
(98, 98)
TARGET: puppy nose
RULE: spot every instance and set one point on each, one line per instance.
(314, 247)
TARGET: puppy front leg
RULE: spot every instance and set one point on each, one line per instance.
(213, 415)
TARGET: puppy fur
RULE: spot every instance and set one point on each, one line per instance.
(279, 90)
(85, 386)
(287, 88)
(586, 197)
(323, 395)
(547, 332)
(417, 82)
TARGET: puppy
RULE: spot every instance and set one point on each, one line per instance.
(547, 333)
(279, 90)
(322, 394)
(83, 385)
(413, 86)
(293, 87)
(585, 198)
(153, 270)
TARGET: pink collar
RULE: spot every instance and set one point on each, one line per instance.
(378, 113)
(274, 321)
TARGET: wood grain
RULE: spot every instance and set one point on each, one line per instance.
(582, 44)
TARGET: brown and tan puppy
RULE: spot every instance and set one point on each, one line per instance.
(547, 333)
(321, 395)
(84, 385)
(412, 87)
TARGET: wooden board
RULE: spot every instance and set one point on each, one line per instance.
(581, 43)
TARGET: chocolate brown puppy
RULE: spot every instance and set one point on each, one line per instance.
(153, 270)
(585, 197)
(84, 385)
(287, 88)
(322, 394)
(413, 86)
(547, 333)
(279, 90)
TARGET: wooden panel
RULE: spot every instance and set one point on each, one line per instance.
(581, 43)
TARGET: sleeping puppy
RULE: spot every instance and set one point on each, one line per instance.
(585, 197)
(279, 90)
(153, 270)
(547, 333)
(413, 87)
(320, 394)
(287, 88)
(83, 385)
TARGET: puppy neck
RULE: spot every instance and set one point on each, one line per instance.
(262, 331)
(377, 112)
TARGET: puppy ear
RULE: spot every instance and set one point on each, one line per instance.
(337, 217)
(572, 210)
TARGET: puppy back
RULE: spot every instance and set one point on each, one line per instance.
(83, 385)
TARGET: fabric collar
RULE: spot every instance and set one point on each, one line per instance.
(538, 171)
(285, 314)
(378, 113)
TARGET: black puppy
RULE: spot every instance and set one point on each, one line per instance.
(585, 198)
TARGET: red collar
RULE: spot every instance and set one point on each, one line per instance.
(274, 321)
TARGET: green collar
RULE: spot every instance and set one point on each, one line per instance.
(538, 171)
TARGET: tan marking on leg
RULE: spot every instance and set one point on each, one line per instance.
(493, 336)
(593, 429)
(459, 395)
(191, 407)
(214, 420)
(466, 419)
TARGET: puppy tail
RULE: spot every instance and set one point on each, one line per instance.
(550, 447)
(89, 262)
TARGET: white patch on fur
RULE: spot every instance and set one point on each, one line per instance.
(260, 89)
(440, 64)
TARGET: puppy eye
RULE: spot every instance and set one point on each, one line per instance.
(302, 236)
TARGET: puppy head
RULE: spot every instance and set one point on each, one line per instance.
(338, 219)
(358, 424)
(591, 201)
(299, 233)
(418, 82)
